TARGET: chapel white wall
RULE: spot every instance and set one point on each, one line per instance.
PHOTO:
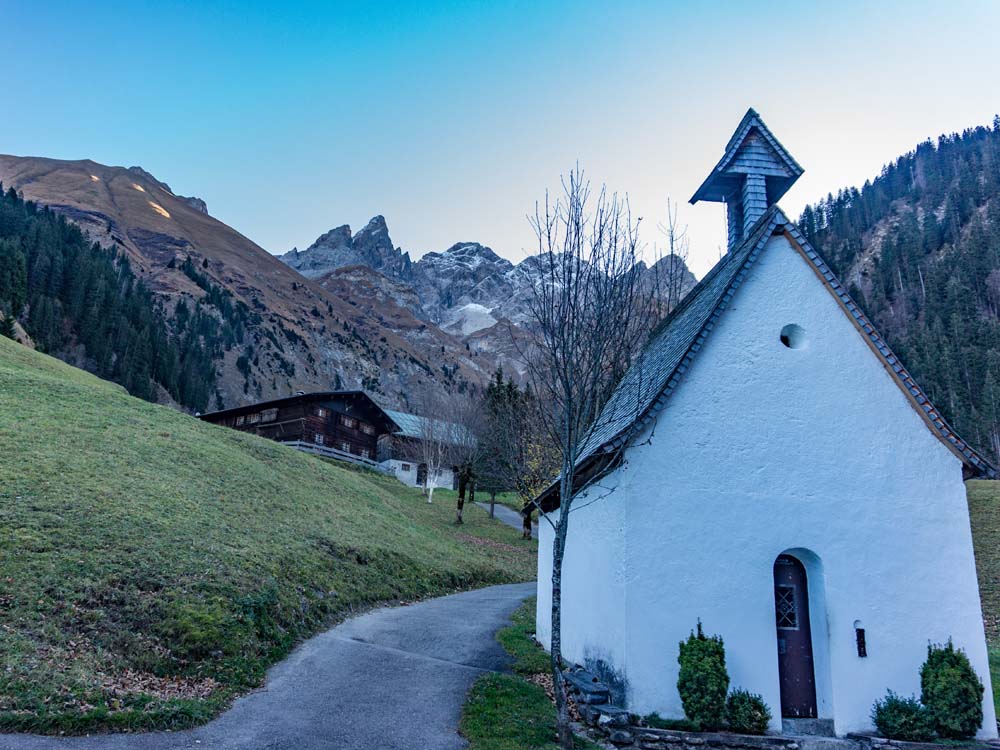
(594, 594)
(763, 449)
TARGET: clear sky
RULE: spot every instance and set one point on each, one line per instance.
(451, 119)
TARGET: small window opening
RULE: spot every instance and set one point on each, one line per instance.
(793, 336)
(859, 637)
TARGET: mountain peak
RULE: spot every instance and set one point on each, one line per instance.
(338, 248)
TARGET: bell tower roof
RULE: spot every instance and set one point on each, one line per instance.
(753, 174)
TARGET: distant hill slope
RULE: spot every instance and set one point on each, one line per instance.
(152, 566)
(919, 247)
(292, 334)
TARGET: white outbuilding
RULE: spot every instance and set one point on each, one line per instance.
(771, 469)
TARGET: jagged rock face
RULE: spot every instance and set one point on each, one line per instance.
(196, 203)
(361, 280)
(465, 274)
(370, 247)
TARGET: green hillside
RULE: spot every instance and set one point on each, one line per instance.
(152, 566)
(984, 508)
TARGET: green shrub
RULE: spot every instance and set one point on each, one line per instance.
(656, 721)
(703, 682)
(747, 713)
(951, 691)
(901, 718)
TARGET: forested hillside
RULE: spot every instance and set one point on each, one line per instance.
(84, 303)
(919, 248)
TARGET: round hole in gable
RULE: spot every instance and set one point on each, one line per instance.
(793, 336)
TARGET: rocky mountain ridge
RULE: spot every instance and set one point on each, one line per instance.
(467, 289)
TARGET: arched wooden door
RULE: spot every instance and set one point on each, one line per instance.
(795, 653)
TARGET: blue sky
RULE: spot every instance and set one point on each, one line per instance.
(451, 119)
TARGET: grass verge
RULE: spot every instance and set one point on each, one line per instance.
(984, 513)
(153, 566)
(507, 711)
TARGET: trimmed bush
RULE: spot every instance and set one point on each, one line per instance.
(703, 681)
(747, 713)
(901, 718)
(656, 721)
(951, 691)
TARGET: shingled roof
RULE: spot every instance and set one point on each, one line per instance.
(719, 184)
(647, 386)
(415, 426)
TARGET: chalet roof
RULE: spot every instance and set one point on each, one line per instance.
(304, 397)
(675, 343)
(414, 426)
(744, 155)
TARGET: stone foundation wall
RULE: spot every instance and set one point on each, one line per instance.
(593, 703)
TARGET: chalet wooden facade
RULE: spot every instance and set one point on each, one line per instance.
(345, 425)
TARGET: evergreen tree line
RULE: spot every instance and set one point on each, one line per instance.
(235, 314)
(68, 292)
(934, 289)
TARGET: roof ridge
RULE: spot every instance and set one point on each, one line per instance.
(633, 405)
(932, 415)
(617, 419)
(712, 272)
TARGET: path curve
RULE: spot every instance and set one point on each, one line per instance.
(393, 679)
(510, 517)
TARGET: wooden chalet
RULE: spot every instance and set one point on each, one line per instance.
(344, 425)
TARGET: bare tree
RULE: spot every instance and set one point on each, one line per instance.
(591, 312)
(435, 445)
(517, 453)
(467, 433)
(674, 276)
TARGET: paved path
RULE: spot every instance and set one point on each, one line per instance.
(394, 679)
(510, 517)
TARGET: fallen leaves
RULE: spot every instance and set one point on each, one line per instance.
(131, 682)
(544, 681)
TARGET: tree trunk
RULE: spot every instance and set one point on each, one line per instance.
(565, 732)
(493, 503)
(526, 527)
(463, 481)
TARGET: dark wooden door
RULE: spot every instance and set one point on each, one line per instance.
(795, 657)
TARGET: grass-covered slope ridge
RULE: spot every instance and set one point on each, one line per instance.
(152, 566)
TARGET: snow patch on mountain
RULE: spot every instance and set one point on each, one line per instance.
(468, 319)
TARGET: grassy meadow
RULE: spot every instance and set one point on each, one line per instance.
(153, 566)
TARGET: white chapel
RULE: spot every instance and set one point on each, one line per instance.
(772, 470)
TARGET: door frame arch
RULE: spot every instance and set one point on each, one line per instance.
(819, 626)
